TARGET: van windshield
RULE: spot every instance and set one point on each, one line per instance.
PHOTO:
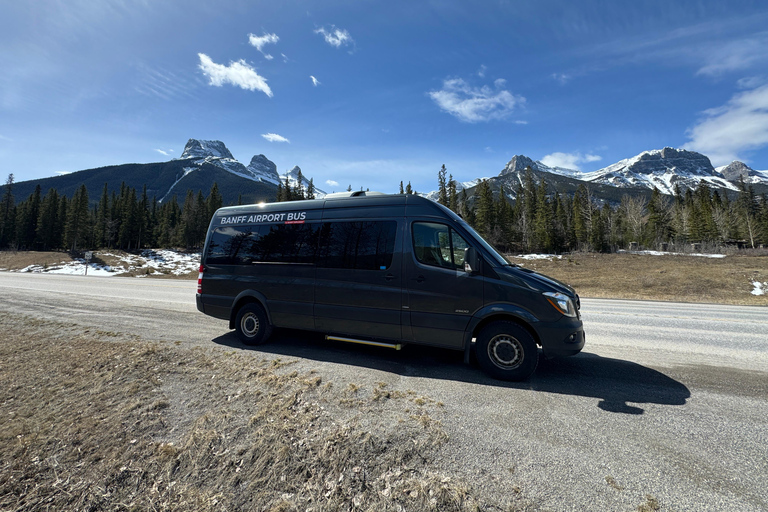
(498, 259)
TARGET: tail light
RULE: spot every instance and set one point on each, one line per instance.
(200, 279)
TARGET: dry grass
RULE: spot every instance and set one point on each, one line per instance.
(673, 278)
(98, 421)
(16, 260)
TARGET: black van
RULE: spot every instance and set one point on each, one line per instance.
(385, 270)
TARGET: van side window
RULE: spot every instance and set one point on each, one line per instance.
(438, 245)
(361, 245)
(266, 243)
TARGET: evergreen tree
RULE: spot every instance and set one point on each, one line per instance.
(453, 197)
(102, 218)
(401, 188)
(542, 221)
(311, 189)
(442, 186)
(7, 214)
(408, 189)
(582, 216)
(659, 224)
(28, 215)
(214, 201)
(279, 197)
(298, 191)
(76, 229)
(485, 220)
(48, 232)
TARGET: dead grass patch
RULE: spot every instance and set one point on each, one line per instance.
(678, 278)
(17, 260)
(123, 424)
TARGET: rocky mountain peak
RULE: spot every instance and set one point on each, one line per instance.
(736, 170)
(206, 148)
(264, 168)
(519, 163)
(681, 161)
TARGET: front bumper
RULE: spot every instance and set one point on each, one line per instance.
(562, 338)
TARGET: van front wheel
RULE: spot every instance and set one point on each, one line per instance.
(251, 324)
(507, 351)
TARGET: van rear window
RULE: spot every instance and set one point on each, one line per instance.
(362, 245)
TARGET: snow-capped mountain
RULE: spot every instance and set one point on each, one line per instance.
(264, 169)
(661, 168)
(261, 169)
(206, 149)
(736, 170)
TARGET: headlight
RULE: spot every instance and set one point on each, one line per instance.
(561, 302)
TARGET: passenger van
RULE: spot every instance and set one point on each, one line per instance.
(384, 270)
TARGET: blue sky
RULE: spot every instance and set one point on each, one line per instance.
(368, 93)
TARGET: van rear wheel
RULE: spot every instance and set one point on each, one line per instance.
(252, 325)
(507, 351)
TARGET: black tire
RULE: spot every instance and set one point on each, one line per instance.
(252, 325)
(507, 351)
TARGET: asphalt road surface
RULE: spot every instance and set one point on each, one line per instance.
(666, 406)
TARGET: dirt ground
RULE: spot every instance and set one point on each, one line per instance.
(679, 278)
(90, 424)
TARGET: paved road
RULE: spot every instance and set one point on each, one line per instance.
(667, 400)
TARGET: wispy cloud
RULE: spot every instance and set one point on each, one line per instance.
(569, 160)
(238, 73)
(735, 55)
(481, 71)
(164, 152)
(335, 37)
(562, 78)
(259, 41)
(273, 137)
(315, 81)
(739, 125)
(475, 104)
(332, 183)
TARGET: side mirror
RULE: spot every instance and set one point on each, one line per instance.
(471, 260)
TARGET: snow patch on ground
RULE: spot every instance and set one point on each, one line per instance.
(661, 253)
(759, 288)
(150, 261)
(539, 257)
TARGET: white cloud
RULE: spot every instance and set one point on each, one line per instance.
(739, 125)
(563, 78)
(332, 183)
(481, 71)
(165, 153)
(259, 41)
(569, 160)
(735, 55)
(751, 82)
(473, 104)
(237, 73)
(273, 137)
(315, 81)
(335, 37)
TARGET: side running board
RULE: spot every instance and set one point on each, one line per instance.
(396, 346)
